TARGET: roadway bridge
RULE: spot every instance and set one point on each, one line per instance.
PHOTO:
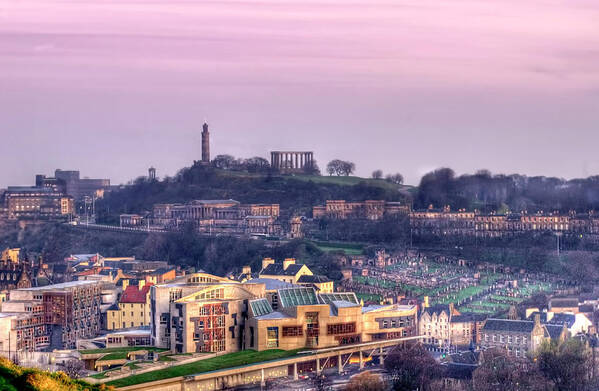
(308, 361)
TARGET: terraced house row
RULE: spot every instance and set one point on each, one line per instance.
(445, 222)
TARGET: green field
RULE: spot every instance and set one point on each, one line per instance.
(325, 179)
(369, 297)
(347, 248)
(245, 357)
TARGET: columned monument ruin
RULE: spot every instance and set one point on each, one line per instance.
(289, 162)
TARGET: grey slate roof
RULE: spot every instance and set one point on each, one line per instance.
(516, 326)
(468, 318)
(554, 330)
(564, 302)
(312, 279)
(271, 284)
(437, 309)
(557, 319)
(276, 269)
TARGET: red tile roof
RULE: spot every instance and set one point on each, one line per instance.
(134, 295)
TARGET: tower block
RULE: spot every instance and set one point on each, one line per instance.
(205, 144)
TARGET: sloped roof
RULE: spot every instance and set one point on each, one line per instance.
(135, 295)
(517, 326)
(437, 309)
(271, 284)
(328, 298)
(564, 302)
(467, 318)
(313, 279)
(260, 307)
(276, 269)
(554, 330)
(162, 270)
(292, 297)
(557, 319)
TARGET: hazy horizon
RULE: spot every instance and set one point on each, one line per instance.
(112, 87)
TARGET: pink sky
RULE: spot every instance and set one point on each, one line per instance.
(112, 87)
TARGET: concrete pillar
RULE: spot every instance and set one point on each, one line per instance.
(381, 357)
(361, 360)
(295, 377)
(339, 363)
(296, 160)
(262, 382)
(318, 366)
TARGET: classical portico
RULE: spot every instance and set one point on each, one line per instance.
(291, 162)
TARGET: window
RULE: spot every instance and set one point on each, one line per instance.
(292, 331)
(342, 328)
(272, 337)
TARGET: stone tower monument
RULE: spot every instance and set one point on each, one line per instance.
(151, 173)
(205, 144)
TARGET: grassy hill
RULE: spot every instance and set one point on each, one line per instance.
(13, 378)
(295, 194)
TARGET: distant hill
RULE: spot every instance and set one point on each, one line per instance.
(294, 193)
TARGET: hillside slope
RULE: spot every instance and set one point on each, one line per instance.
(293, 193)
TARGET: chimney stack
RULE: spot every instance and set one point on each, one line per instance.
(266, 262)
(287, 262)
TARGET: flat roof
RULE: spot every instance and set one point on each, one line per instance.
(63, 285)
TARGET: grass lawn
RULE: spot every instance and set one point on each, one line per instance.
(212, 364)
(368, 297)
(325, 179)
(347, 248)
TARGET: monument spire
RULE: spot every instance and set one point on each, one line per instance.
(205, 144)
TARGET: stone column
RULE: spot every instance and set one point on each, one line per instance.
(295, 377)
(361, 361)
(339, 363)
(296, 160)
(262, 382)
(318, 370)
(381, 357)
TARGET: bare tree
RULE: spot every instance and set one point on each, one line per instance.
(366, 381)
(395, 178)
(74, 368)
(340, 167)
(412, 367)
(225, 162)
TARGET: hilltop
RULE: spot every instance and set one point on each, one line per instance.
(295, 194)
